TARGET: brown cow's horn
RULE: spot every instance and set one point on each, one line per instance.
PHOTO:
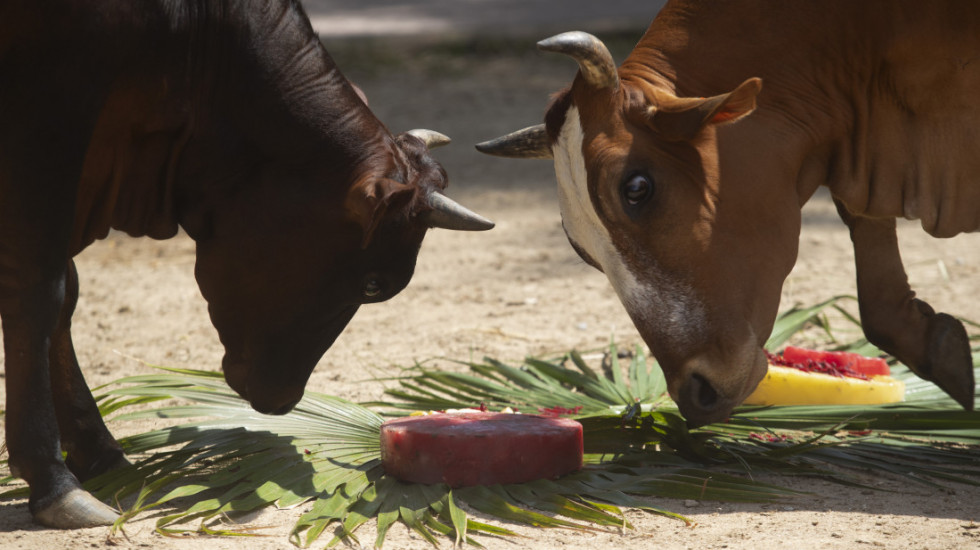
(529, 143)
(431, 138)
(449, 214)
(594, 59)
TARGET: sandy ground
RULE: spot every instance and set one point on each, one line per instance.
(517, 290)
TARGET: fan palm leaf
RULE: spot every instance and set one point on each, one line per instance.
(235, 461)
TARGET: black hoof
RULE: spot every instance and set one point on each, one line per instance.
(950, 363)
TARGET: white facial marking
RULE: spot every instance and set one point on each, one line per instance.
(682, 314)
(581, 221)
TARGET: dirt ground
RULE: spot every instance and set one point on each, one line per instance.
(517, 290)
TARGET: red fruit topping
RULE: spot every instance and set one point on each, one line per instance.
(833, 363)
(843, 360)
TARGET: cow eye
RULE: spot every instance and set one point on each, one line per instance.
(372, 288)
(637, 189)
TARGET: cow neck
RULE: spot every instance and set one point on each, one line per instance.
(279, 103)
(287, 99)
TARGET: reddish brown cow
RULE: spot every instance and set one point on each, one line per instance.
(228, 119)
(681, 174)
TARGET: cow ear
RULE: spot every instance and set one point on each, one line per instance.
(681, 119)
(370, 200)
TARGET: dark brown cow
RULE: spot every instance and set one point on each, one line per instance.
(681, 176)
(226, 118)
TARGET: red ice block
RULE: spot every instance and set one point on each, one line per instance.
(480, 448)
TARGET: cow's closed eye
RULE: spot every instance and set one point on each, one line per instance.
(636, 190)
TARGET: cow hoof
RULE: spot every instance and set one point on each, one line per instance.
(76, 509)
(951, 364)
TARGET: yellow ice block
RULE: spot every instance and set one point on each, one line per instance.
(789, 386)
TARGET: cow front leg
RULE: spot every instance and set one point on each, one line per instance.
(57, 499)
(91, 449)
(43, 138)
(934, 345)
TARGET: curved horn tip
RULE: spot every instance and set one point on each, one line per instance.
(431, 138)
(530, 143)
(560, 41)
(449, 214)
(594, 60)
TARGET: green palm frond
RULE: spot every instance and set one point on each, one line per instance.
(220, 458)
(239, 459)
(535, 385)
(234, 460)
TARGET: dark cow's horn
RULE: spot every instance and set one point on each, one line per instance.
(529, 143)
(431, 138)
(449, 214)
(594, 59)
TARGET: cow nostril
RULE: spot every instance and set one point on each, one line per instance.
(705, 395)
(285, 408)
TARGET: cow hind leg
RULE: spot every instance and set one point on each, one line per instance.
(933, 345)
(91, 449)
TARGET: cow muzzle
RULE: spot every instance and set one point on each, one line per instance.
(266, 398)
(704, 396)
(278, 406)
(701, 403)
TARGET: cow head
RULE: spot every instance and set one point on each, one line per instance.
(287, 258)
(651, 195)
